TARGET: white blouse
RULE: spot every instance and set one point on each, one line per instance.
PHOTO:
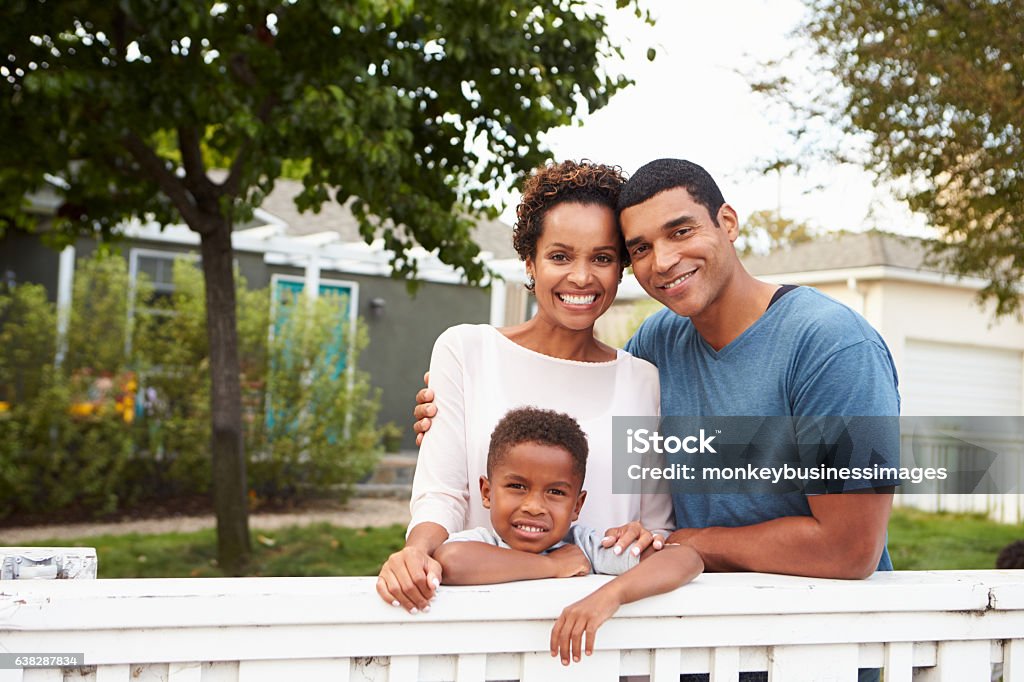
(478, 375)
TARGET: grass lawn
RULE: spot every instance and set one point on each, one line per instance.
(917, 541)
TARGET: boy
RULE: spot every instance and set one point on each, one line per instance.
(533, 488)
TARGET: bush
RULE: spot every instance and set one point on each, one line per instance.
(125, 419)
(318, 432)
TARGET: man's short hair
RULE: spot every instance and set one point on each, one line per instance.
(534, 425)
(665, 174)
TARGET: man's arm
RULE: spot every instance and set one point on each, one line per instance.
(657, 573)
(480, 563)
(843, 538)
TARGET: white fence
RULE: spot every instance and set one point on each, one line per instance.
(934, 626)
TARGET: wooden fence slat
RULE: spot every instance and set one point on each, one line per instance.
(959, 661)
(11, 675)
(725, 664)
(298, 669)
(542, 667)
(814, 663)
(471, 668)
(403, 669)
(43, 675)
(899, 662)
(185, 672)
(665, 665)
(1013, 661)
(113, 673)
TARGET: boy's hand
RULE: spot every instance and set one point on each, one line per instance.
(570, 561)
(424, 411)
(583, 617)
(409, 578)
(632, 533)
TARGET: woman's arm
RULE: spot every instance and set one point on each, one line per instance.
(479, 563)
(410, 576)
(440, 491)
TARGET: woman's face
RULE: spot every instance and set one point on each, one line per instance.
(576, 268)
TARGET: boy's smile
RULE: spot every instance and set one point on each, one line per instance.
(534, 496)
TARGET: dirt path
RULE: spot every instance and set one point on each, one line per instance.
(358, 513)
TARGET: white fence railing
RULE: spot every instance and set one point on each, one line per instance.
(934, 626)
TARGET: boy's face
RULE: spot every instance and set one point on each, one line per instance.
(534, 496)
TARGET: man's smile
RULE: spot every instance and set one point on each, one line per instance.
(678, 280)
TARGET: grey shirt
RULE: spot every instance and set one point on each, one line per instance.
(602, 559)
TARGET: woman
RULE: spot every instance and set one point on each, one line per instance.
(567, 234)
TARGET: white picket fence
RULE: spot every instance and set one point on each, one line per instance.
(934, 626)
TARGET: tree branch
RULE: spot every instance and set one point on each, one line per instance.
(196, 181)
(232, 185)
(153, 168)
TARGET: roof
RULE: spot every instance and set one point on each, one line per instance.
(843, 251)
(491, 235)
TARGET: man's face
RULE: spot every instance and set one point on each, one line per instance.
(534, 496)
(680, 257)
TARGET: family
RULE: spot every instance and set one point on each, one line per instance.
(515, 414)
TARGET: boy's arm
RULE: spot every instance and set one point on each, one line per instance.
(479, 563)
(658, 572)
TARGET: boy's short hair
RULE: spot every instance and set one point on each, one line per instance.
(664, 174)
(534, 425)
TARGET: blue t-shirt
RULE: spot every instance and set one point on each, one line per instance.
(807, 355)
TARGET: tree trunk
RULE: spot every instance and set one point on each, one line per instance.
(230, 499)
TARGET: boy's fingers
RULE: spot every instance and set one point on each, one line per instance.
(591, 635)
(577, 641)
(565, 641)
(556, 633)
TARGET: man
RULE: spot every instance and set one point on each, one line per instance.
(731, 345)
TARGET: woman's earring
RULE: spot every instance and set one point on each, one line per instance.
(530, 283)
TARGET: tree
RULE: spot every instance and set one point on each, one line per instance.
(416, 110)
(935, 90)
(766, 231)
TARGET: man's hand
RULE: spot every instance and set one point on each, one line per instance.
(632, 533)
(424, 410)
(583, 617)
(570, 561)
(409, 578)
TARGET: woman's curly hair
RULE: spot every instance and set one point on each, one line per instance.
(582, 182)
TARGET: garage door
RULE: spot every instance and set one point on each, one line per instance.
(948, 379)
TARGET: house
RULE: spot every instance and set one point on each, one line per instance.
(953, 357)
(288, 250)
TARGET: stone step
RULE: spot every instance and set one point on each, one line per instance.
(396, 491)
(394, 469)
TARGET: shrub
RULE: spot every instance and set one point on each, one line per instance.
(125, 418)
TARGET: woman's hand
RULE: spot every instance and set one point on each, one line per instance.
(424, 411)
(409, 578)
(632, 533)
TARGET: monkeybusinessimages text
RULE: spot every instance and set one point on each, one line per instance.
(646, 441)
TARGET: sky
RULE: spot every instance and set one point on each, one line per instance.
(694, 102)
